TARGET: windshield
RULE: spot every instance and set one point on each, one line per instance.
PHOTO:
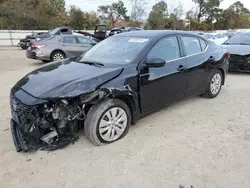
(115, 50)
(239, 39)
(53, 32)
(208, 36)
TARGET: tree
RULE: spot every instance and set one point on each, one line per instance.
(91, 20)
(138, 10)
(207, 8)
(158, 16)
(76, 18)
(174, 20)
(238, 8)
(32, 14)
(114, 12)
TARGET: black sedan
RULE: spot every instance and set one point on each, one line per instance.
(239, 48)
(114, 84)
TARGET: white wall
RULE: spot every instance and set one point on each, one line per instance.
(12, 37)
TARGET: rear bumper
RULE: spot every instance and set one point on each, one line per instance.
(33, 54)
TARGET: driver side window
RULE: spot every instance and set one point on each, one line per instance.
(167, 49)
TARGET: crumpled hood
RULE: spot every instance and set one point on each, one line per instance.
(65, 79)
(237, 49)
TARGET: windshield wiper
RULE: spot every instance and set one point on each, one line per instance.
(93, 63)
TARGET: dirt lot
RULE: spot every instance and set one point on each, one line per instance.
(199, 142)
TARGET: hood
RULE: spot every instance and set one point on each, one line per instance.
(65, 79)
(45, 35)
(237, 49)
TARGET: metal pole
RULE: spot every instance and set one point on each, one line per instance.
(11, 39)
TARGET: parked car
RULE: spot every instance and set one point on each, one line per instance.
(217, 38)
(239, 48)
(230, 34)
(23, 43)
(29, 39)
(117, 30)
(59, 47)
(100, 33)
(114, 84)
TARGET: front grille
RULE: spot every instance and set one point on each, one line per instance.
(21, 113)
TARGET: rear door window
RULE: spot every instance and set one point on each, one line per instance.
(191, 45)
(69, 40)
(83, 40)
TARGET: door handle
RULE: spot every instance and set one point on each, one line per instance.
(181, 68)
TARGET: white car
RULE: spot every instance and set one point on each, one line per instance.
(217, 38)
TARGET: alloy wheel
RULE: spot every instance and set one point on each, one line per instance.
(58, 57)
(215, 84)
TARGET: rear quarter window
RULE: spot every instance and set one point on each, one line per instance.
(203, 44)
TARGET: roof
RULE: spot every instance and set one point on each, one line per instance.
(152, 33)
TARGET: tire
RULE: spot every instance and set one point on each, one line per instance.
(94, 127)
(45, 61)
(57, 56)
(24, 47)
(214, 84)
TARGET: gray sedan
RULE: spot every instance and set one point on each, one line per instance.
(59, 47)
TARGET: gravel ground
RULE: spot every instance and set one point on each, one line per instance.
(199, 142)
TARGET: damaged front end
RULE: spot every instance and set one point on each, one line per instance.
(49, 125)
(239, 63)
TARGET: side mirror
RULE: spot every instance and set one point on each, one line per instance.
(155, 62)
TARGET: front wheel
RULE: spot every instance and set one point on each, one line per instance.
(215, 84)
(24, 47)
(107, 122)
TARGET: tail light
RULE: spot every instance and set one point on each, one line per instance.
(228, 54)
(38, 45)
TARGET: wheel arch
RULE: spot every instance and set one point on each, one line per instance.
(57, 50)
(128, 99)
(223, 75)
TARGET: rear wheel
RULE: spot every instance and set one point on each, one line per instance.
(45, 61)
(215, 84)
(107, 122)
(24, 47)
(57, 56)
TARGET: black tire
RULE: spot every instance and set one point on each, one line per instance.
(94, 116)
(209, 93)
(24, 47)
(57, 53)
(45, 61)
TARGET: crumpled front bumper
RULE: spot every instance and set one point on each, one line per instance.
(18, 137)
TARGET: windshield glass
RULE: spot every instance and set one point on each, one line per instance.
(239, 39)
(207, 35)
(115, 50)
(53, 32)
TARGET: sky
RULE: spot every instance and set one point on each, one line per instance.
(91, 5)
